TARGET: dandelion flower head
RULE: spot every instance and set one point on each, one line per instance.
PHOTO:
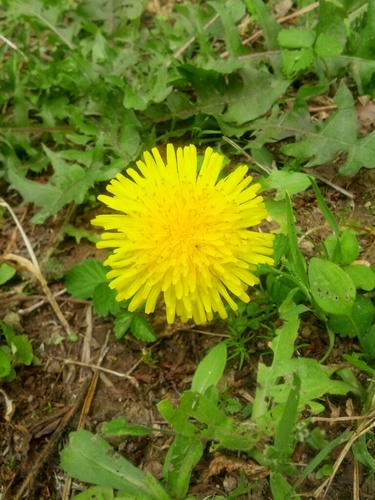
(184, 234)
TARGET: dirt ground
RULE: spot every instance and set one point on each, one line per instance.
(47, 398)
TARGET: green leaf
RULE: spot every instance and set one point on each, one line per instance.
(122, 323)
(338, 134)
(104, 300)
(349, 247)
(210, 369)
(327, 45)
(280, 487)
(295, 61)
(22, 349)
(362, 454)
(5, 364)
(360, 363)
(141, 329)
(333, 290)
(277, 211)
(362, 316)
(183, 455)
(69, 183)
(96, 493)
(78, 233)
(285, 428)
(82, 279)
(368, 342)
(121, 427)
(274, 382)
(365, 47)
(285, 180)
(6, 273)
(91, 459)
(251, 98)
(214, 423)
(363, 277)
(296, 38)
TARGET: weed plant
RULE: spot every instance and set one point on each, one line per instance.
(87, 86)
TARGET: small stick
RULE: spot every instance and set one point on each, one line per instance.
(26, 264)
(33, 258)
(105, 370)
(329, 183)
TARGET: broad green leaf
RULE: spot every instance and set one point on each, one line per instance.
(327, 45)
(134, 100)
(338, 134)
(331, 29)
(134, 8)
(5, 365)
(363, 277)
(91, 459)
(234, 100)
(285, 428)
(296, 38)
(82, 279)
(122, 324)
(96, 493)
(333, 290)
(214, 425)
(183, 455)
(210, 369)
(104, 300)
(251, 98)
(141, 329)
(295, 61)
(365, 47)
(359, 363)
(280, 487)
(22, 349)
(283, 348)
(6, 273)
(69, 183)
(349, 247)
(285, 180)
(121, 427)
(315, 381)
(361, 318)
(277, 210)
(8, 331)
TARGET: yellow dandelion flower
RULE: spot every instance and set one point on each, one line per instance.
(184, 234)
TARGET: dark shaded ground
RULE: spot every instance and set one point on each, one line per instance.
(47, 397)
